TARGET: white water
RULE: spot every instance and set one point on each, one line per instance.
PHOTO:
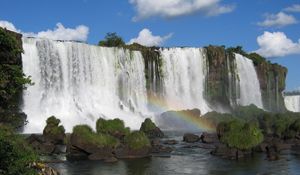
(79, 83)
(184, 73)
(249, 84)
(292, 103)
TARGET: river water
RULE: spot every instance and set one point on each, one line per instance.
(185, 161)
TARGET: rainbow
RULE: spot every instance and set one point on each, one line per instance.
(160, 104)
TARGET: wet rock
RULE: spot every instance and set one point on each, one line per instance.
(170, 142)
(124, 152)
(111, 160)
(272, 153)
(170, 120)
(209, 137)
(100, 156)
(226, 152)
(190, 138)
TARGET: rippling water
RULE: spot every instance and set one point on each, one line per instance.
(186, 161)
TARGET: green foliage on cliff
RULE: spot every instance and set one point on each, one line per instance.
(9, 44)
(15, 154)
(90, 137)
(256, 58)
(147, 125)
(240, 135)
(112, 40)
(137, 140)
(115, 126)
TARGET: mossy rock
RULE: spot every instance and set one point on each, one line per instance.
(137, 140)
(150, 129)
(88, 137)
(53, 132)
(113, 127)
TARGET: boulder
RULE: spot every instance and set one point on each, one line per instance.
(226, 152)
(150, 129)
(111, 160)
(272, 153)
(190, 138)
(169, 120)
(125, 152)
(100, 156)
(170, 142)
(209, 137)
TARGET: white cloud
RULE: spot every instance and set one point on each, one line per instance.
(80, 33)
(174, 8)
(9, 26)
(276, 44)
(146, 38)
(278, 20)
(293, 8)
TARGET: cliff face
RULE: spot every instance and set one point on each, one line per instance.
(220, 89)
(11, 78)
(222, 79)
(272, 83)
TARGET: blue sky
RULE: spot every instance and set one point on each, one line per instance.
(234, 22)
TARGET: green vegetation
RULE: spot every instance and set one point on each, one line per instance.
(53, 129)
(9, 44)
(245, 127)
(112, 40)
(15, 155)
(240, 135)
(137, 140)
(12, 79)
(147, 125)
(256, 58)
(90, 137)
(112, 127)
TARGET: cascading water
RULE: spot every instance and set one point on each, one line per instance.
(249, 84)
(292, 103)
(79, 83)
(184, 73)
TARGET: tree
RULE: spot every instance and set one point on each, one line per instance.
(240, 135)
(112, 40)
(15, 155)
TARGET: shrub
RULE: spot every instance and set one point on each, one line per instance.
(147, 125)
(89, 136)
(240, 135)
(112, 127)
(53, 130)
(112, 40)
(9, 43)
(137, 140)
(15, 154)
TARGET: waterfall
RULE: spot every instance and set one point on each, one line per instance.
(292, 103)
(184, 73)
(249, 84)
(80, 83)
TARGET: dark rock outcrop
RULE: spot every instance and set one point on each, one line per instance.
(226, 152)
(209, 137)
(170, 120)
(151, 130)
(190, 138)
